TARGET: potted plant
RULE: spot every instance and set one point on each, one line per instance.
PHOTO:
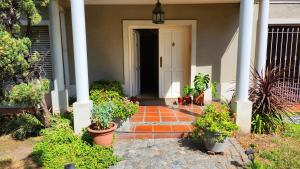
(214, 127)
(180, 100)
(133, 99)
(102, 127)
(201, 83)
(187, 91)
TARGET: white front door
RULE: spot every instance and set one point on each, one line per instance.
(137, 70)
(173, 60)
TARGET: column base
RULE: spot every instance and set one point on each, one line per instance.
(60, 101)
(243, 114)
(82, 113)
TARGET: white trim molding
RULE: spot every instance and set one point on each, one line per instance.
(130, 25)
(284, 21)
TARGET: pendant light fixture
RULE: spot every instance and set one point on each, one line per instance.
(158, 14)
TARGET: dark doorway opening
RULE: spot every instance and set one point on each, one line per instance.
(149, 62)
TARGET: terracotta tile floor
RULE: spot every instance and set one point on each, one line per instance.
(161, 122)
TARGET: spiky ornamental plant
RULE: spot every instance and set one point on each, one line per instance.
(269, 104)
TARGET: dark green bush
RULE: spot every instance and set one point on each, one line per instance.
(60, 146)
(22, 126)
(103, 92)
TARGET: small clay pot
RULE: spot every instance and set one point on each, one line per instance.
(103, 138)
(180, 101)
(199, 99)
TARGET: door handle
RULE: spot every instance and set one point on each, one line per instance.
(160, 62)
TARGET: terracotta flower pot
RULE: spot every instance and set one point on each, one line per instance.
(103, 138)
(199, 99)
(187, 100)
(180, 100)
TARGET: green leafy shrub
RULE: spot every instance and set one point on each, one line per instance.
(29, 94)
(32, 94)
(187, 91)
(60, 146)
(102, 116)
(214, 90)
(22, 126)
(216, 120)
(108, 86)
(102, 93)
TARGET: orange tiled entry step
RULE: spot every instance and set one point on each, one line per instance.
(152, 122)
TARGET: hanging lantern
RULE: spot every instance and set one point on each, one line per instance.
(158, 14)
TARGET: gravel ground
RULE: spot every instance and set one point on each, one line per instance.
(175, 154)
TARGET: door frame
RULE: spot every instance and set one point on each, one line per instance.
(130, 25)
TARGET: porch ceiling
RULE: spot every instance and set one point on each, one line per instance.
(148, 2)
(142, 2)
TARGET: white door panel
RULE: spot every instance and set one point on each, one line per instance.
(173, 50)
(167, 85)
(136, 55)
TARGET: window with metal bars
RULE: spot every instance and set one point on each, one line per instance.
(283, 52)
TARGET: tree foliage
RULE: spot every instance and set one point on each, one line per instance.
(12, 11)
(16, 60)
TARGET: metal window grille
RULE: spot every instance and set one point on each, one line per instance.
(284, 52)
(40, 42)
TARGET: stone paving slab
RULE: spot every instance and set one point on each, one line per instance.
(175, 154)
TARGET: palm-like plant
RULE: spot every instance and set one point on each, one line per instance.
(269, 104)
(201, 82)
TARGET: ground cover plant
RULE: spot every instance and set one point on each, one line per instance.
(112, 91)
(280, 151)
(60, 146)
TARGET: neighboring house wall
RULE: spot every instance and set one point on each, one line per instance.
(217, 37)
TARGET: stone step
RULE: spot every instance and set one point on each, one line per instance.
(150, 135)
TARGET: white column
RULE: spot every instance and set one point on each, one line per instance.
(244, 49)
(243, 107)
(59, 95)
(262, 41)
(83, 105)
(65, 48)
